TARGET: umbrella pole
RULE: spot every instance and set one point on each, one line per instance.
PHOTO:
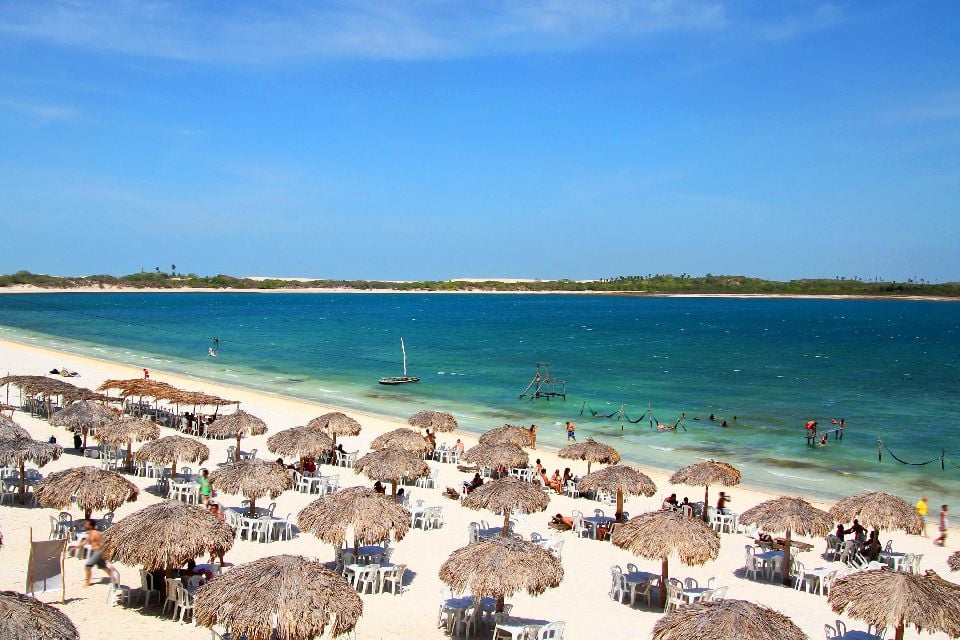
(22, 491)
(899, 634)
(253, 508)
(129, 455)
(619, 500)
(86, 430)
(87, 513)
(393, 484)
(664, 576)
(706, 504)
(506, 524)
(588, 467)
(786, 560)
(237, 459)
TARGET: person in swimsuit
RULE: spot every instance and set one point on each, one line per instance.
(571, 431)
(94, 559)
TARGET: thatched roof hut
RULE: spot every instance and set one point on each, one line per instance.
(171, 450)
(142, 388)
(236, 425)
(878, 510)
(23, 617)
(954, 561)
(200, 399)
(404, 439)
(495, 455)
(659, 534)
(898, 599)
(506, 496)
(296, 595)
(125, 430)
(17, 452)
(510, 434)
(336, 424)
(94, 489)
(252, 478)
(390, 465)
(704, 474)
(789, 515)
(436, 421)
(165, 535)
(83, 415)
(725, 619)
(372, 516)
(591, 451)
(500, 567)
(621, 480)
(300, 442)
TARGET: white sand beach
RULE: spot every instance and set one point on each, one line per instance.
(582, 600)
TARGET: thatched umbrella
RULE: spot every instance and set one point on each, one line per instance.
(658, 534)
(620, 479)
(372, 516)
(436, 421)
(23, 617)
(83, 415)
(500, 567)
(510, 434)
(336, 424)
(14, 453)
(300, 442)
(591, 451)
(171, 450)
(402, 438)
(878, 510)
(390, 465)
(954, 561)
(237, 424)
(297, 596)
(165, 535)
(253, 479)
(705, 474)
(495, 455)
(125, 430)
(506, 496)
(896, 599)
(95, 490)
(725, 619)
(10, 430)
(791, 515)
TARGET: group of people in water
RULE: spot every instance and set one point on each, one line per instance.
(811, 430)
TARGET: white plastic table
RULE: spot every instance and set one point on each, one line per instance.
(517, 626)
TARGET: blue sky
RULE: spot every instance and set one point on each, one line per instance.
(546, 138)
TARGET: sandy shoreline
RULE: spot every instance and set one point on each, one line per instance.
(582, 599)
(640, 294)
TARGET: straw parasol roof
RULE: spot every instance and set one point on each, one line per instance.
(510, 434)
(336, 424)
(125, 430)
(954, 561)
(372, 516)
(500, 567)
(506, 496)
(300, 442)
(897, 599)
(140, 387)
(252, 478)
(95, 490)
(704, 474)
(494, 455)
(878, 510)
(83, 415)
(171, 450)
(10, 430)
(619, 479)
(790, 515)
(437, 421)
(390, 465)
(659, 534)
(25, 618)
(236, 425)
(591, 451)
(297, 595)
(724, 619)
(165, 535)
(402, 438)
(16, 452)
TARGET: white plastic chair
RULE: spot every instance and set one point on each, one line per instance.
(435, 517)
(368, 577)
(184, 602)
(118, 592)
(171, 600)
(570, 489)
(394, 578)
(552, 631)
(148, 588)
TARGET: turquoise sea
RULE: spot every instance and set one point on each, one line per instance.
(889, 367)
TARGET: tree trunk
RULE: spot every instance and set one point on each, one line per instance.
(786, 561)
(706, 504)
(664, 577)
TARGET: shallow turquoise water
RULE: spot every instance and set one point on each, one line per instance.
(889, 367)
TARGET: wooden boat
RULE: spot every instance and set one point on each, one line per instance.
(404, 379)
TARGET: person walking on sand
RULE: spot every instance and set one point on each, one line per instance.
(94, 559)
(146, 374)
(571, 431)
(944, 524)
(922, 509)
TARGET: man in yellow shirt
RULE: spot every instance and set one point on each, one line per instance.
(922, 510)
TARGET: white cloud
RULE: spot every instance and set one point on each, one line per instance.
(43, 112)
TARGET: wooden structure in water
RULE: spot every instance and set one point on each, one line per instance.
(543, 386)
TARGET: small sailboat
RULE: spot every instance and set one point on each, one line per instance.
(404, 379)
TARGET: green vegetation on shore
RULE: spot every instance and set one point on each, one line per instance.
(652, 284)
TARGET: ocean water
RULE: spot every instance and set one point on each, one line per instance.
(889, 367)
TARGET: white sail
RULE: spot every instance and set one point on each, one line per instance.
(404, 350)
